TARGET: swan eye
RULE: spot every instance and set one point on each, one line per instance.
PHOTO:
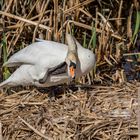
(72, 64)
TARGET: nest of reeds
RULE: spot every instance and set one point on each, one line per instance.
(100, 112)
(111, 29)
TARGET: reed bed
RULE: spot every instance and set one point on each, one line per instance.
(106, 107)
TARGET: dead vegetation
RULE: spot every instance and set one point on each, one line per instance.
(98, 113)
(111, 29)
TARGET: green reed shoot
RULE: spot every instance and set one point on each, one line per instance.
(137, 26)
(6, 72)
(84, 40)
(93, 39)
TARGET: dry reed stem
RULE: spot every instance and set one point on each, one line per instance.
(7, 8)
(119, 23)
(87, 13)
(77, 6)
(35, 130)
(107, 25)
(129, 30)
(18, 25)
(90, 28)
(55, 19)
(129, 54)
(40, 18)
(26, 24)
(108, 61)
(37, 16)
(25, 20)
(19, 31)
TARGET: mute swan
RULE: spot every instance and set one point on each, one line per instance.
(38, 58)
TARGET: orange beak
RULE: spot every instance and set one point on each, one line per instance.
(72, 72)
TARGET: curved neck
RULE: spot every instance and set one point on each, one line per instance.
(72, 47)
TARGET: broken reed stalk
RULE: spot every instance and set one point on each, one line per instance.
(25, 20)
(90, 28)
(78, 5)
(35, 130)
(26, 24)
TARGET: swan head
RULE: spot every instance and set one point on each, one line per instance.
(80, 60)
(72, 56)
(87, 60)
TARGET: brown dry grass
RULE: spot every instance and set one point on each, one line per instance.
(99, 113)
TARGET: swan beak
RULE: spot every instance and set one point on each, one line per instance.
(72, 69)
(72, 72)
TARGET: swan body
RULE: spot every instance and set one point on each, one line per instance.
(37, 58)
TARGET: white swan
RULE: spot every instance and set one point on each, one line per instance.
(38, 58)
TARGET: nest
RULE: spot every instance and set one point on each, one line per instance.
(98, 113)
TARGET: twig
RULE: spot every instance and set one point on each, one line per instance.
(78, 5)
(35, 130)
(128, 54)
(119, 127)
(31, 103)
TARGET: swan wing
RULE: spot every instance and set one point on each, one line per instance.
(27, 75)
(32, 54)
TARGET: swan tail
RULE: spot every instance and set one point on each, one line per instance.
(4, 84)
